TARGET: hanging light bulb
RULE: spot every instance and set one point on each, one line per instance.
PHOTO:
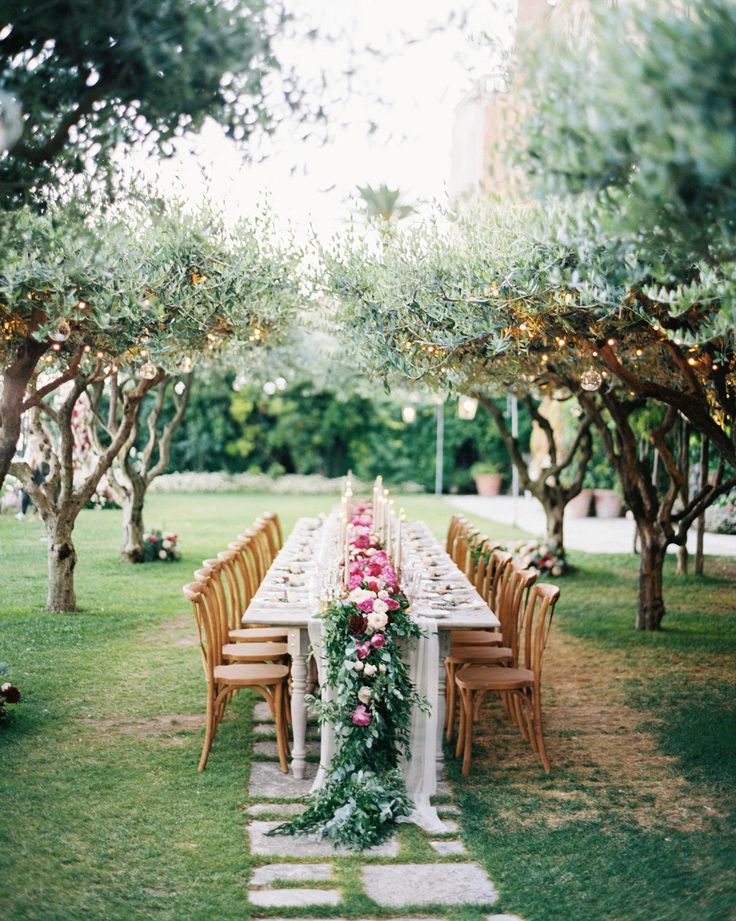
(62, 331)
(409, 413)
(179, 388)
(591, 379)
(148, 371)
(269, 388)
(186, 364)
(467, 407)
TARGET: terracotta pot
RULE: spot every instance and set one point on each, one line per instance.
(580, 505)
(488, 484)
(607, 503)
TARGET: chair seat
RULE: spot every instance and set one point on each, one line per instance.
(258, 635)
(489, 678)
(483, 655)
(246, 676)
(476, 638)
(254, 652)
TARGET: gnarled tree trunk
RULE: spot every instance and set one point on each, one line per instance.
(133, 531)
(554, 509)
(62, 559)
(653, 551)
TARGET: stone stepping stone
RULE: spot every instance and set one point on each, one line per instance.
(293, 898)
(503, 918)
(450, 827)
(443, 788)
(264, 729)
(284, 809)
(448, 848)
(307, 845)
(393, 886)
(268, 747)
(257, 918)
(262, 713)
(292, 872)
(267, 781)
(448, 809)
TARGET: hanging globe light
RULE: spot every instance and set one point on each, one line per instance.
(179, 388)
(148, 371)
(467, 407)
(61, 332)
(591, 379)
(186, 365)
(408, 414)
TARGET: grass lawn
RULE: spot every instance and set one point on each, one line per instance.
(104, 815)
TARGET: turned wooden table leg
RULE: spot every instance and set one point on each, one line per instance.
(298, 643)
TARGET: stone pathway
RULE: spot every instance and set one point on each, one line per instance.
(301, 873)
(594, 535)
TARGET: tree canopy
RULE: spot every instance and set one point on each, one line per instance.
(90, 76)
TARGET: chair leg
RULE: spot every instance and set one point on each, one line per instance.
(480, 696)
(468, 702)
(280, 726)
(450, 694)
(539, 731)
(461, 727)
(209, 729)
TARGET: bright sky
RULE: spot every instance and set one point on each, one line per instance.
(420, 83)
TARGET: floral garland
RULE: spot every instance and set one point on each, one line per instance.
(364, 792)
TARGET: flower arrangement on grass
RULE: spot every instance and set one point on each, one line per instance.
(158, 546)
(535, 554)
(364, 792)
(9, 694)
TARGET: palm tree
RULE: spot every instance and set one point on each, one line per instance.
(383, 203)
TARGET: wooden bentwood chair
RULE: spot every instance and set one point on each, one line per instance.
(224, 678)
(522, 685)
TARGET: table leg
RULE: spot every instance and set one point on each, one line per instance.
(298, 642)
(444, 651)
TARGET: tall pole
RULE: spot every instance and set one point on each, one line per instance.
(439, 458)
(513, 406)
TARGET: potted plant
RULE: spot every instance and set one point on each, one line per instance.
(487, 478)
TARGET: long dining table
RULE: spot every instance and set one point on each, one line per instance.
(286, 598)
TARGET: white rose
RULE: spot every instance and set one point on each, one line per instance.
(369, 670)
(358, 667)
(379, 607)
(359, 595)
(383, 594)
(162, 554)
(365, 694)
(382, 669)
(377, 620)
(166, 544)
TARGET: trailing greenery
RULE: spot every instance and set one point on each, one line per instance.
(364, 638)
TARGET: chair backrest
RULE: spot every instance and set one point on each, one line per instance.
(513, 594)
(463, 548)
(498, 562)
(274, 526)
(456, 523)
(200, 594)
(540, 609)
(260, 549)
(235, 589)
(212, 575)
(482, 555)
(246, 567)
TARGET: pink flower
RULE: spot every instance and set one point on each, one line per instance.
(377, 640)
(363, 650)
(366, 606)
(391, 604)
(362, 716)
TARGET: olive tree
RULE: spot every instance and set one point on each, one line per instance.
(494, 302)
(158, 293)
